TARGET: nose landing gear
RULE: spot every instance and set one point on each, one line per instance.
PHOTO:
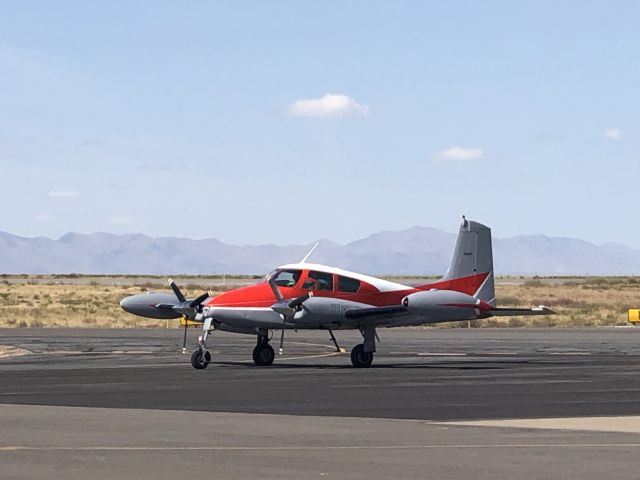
(201, 357)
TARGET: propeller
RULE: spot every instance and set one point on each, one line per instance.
(286, 309)
(187, 308)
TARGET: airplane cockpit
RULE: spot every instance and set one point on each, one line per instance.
(285, 278)
(314, 280)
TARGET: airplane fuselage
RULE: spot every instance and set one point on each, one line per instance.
(336, 293)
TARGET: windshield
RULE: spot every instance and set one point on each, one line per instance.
(286, 278)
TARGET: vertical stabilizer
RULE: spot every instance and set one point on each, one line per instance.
(472, 262)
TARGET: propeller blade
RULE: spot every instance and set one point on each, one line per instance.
(176, 290)
(297, 302)
(283, 309)
(289, 309)
(197, 301)
(275, 289)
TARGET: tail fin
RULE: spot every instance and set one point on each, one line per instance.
(471, 269)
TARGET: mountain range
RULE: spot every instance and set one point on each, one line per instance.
(417, 250)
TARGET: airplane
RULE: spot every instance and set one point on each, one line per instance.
(304, 296)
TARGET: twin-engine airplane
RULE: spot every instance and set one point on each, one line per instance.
(311, 296)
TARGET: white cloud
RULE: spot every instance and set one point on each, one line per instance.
(613, 134)
(121, 220)
(460, 153)
(63, 194)
(44, 218)
(331, 105)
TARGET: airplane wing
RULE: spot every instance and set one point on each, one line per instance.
(396, 311)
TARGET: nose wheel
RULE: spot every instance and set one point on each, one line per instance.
(200, 358)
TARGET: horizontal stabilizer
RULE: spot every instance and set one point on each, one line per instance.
(507, 312)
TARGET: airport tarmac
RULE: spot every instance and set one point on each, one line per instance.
(438, 403)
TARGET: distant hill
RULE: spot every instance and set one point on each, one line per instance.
(417, 250)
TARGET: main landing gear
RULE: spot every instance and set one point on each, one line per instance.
(360, 358)
(362, 354)
(263, 354)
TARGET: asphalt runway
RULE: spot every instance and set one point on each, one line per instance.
(438, 403)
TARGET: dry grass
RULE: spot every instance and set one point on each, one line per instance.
(592, 301)
(88, 305)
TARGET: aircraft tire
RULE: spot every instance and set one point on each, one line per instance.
(263, 355)
(198, 361)
(360, 358)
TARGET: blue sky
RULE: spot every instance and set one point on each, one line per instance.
(283, 122)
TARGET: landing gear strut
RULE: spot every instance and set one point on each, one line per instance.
(263, 353)
(335, 342)
(201, 357)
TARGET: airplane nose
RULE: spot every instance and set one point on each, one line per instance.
(125, 304)
(136, 304)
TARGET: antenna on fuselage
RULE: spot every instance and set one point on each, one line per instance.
(306, 257)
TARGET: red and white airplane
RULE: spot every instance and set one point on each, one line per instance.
(311, 296)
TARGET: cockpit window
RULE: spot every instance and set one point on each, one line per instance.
(286, 278)
(346, 284)
(323, 280)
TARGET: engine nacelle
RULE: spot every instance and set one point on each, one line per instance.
(443, 305)
(144, 305)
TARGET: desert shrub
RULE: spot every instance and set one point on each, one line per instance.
(507, 300)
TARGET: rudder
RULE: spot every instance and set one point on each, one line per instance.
(471, 268)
